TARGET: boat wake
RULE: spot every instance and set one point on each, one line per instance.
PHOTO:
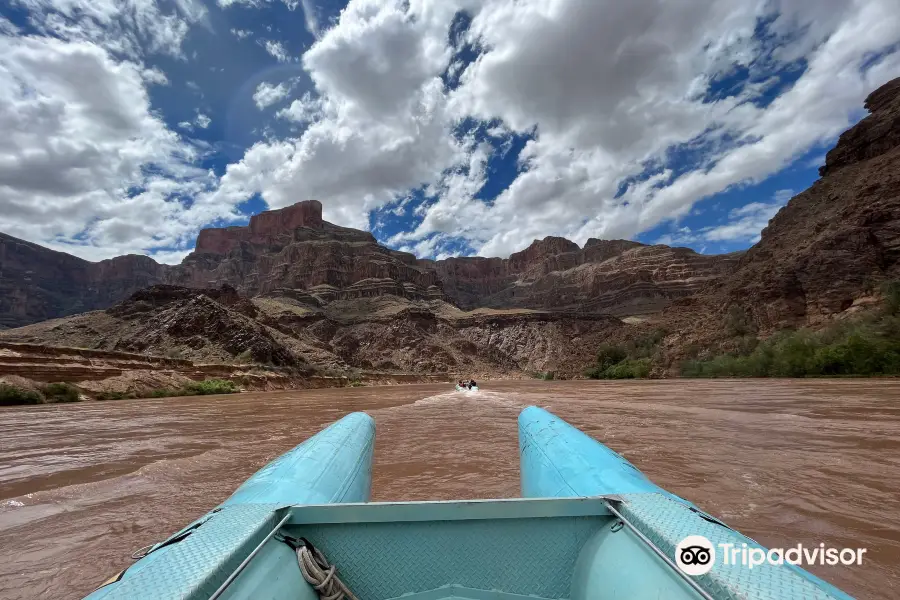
(501, 399)
(441, 398)
(480, 396)
(464, 401)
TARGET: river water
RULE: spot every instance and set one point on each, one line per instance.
(785, 462)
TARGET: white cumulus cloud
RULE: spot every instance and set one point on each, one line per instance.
(607, 89)
(612, 96)
(85, 165)
(380, 118)
(276, 50)
(131, 28)
(267, 94)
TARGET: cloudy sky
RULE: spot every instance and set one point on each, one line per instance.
(443, 126)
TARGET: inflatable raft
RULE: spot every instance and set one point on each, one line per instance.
(590, 526)
(460, 388)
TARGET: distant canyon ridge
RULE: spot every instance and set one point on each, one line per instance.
(293, 251)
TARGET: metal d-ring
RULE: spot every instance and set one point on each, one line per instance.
(142, 552)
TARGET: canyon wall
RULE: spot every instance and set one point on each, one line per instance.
(294, 251)
(617, 277)
(832, 245)
(824, 256)
(293, 248)
(38, 284)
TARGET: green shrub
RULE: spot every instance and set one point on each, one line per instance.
(210, 386)
(794, 354)
(592, 372)
(644, 346)
(891, 292)
(193, 388)
(631, 368)
(609, 355)
(11, 395)
(638, 368)
(630, 361)
(691, 368)
(60, 392)
(746, 344)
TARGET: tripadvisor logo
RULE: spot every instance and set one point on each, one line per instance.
(696, 555)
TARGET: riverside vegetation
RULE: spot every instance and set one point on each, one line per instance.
(865, 346)
(51, 393)
(54, 393)
(868, 345)
(194, 388)
(632, 360)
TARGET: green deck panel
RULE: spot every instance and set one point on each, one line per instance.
(379, 561)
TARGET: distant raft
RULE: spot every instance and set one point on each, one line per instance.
(462, 388)
(591, 527)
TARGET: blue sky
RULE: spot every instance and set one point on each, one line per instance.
(443, 126)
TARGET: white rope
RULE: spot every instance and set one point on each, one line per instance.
(321, 575)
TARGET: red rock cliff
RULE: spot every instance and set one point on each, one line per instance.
(618, 277)
(302, 214)
(293, 248)
(262, 227)
(37, 284)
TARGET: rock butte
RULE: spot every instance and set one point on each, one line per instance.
(262, 228)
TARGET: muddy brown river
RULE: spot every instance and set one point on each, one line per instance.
(785, 462)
